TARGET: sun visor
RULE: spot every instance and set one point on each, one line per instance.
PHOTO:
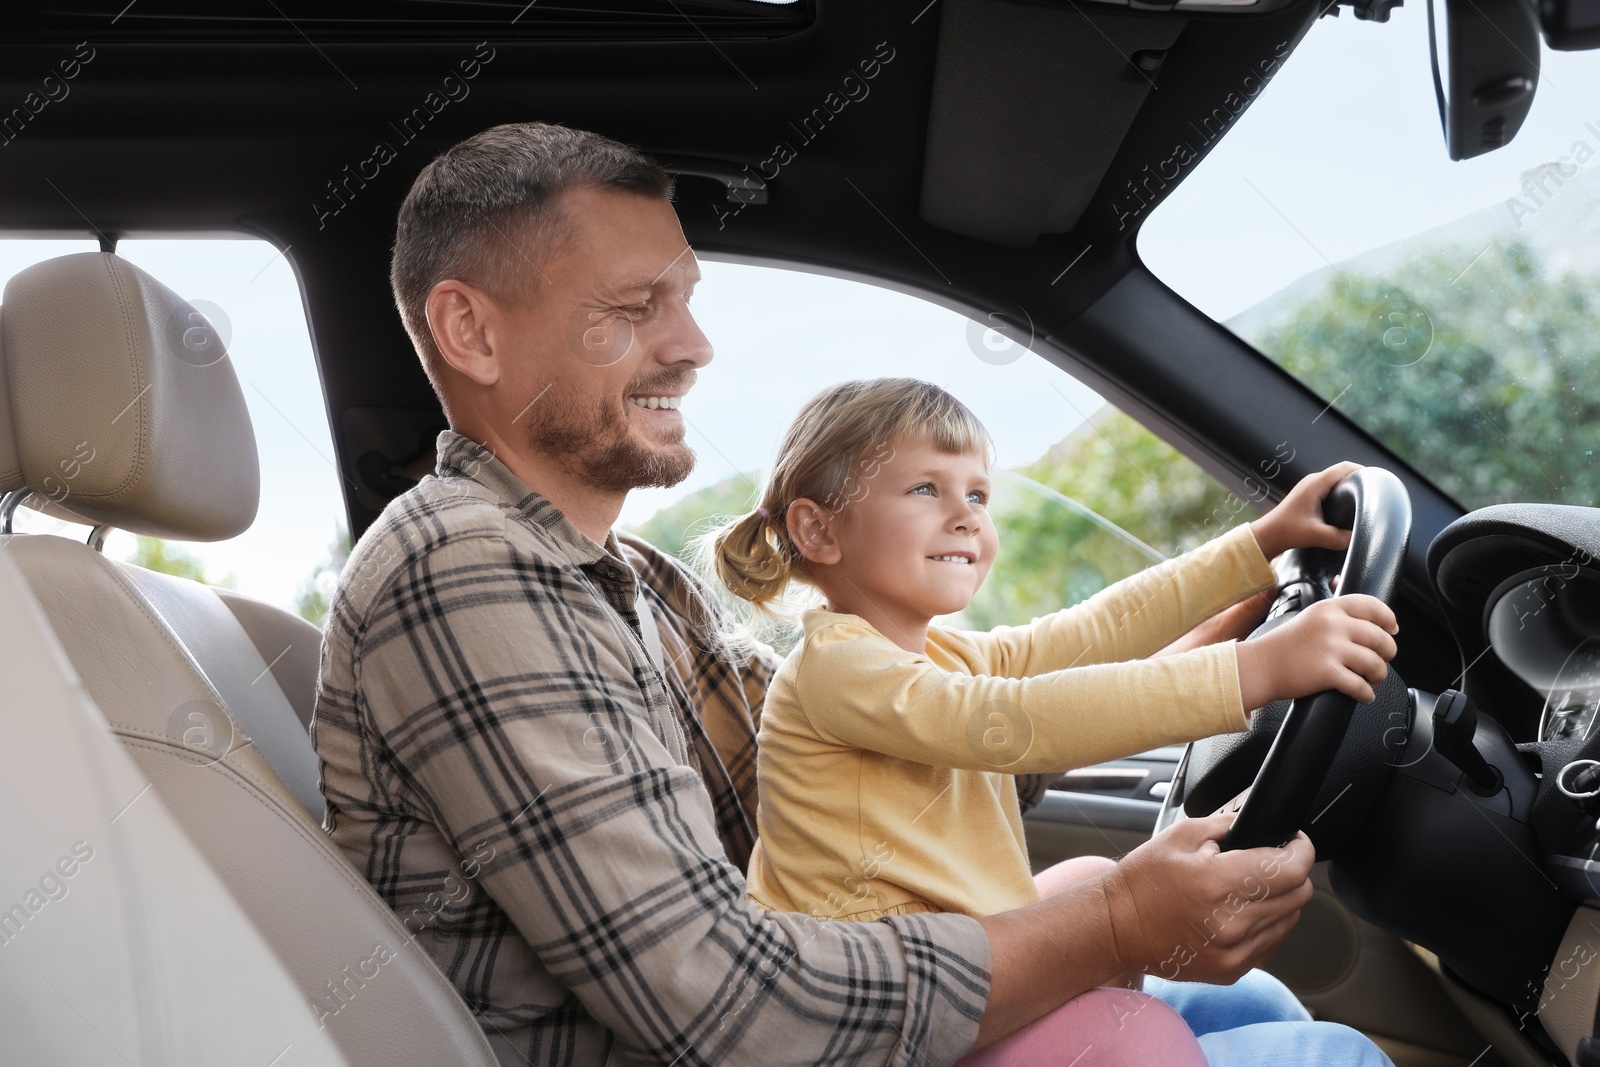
(1030, 103)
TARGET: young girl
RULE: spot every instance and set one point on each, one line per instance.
(888, 745)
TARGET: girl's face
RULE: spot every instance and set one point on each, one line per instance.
(914, 539)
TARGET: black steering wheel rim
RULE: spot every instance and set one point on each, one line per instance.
(1374, 505)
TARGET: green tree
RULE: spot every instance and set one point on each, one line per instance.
(1483, 379)
(316, 592)
(154, 554)
(674, 526)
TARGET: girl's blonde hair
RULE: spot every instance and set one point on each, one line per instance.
(836, 441)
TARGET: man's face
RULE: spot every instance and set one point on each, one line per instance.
(601, 357)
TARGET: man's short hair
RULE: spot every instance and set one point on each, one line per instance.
(484, 212)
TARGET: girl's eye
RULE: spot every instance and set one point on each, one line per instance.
(982, 497)
(919, 488)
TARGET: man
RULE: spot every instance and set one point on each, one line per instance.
(539, 750)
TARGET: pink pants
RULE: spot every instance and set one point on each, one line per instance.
(1100, 1028)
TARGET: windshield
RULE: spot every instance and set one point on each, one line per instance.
(1449, 309)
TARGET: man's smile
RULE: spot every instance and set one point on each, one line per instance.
(655, 401)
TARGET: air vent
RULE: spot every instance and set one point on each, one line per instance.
(379, 21)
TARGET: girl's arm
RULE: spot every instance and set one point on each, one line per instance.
(1235, 623)
(860, 690)
(1230, 624)
(1131, 619)
(1151, 609)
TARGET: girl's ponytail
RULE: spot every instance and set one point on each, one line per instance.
(751, 558)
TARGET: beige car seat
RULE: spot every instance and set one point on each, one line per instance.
(118, 943)
(121, 409)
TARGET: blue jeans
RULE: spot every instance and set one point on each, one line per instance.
(1257, 1022)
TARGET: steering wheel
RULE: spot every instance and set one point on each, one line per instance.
(1373, 504)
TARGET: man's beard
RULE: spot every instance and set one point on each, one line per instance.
(594, 443)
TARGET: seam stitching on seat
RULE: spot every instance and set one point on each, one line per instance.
(125, 585)
(321, 843)
(139, 459)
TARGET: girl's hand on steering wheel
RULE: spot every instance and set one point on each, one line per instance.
(1297, 521)
(1344, 643)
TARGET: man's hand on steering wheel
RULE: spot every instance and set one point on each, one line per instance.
(1180, 882)
(1345, 643)
(1297, 521)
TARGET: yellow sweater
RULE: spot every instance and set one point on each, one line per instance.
(885, 776)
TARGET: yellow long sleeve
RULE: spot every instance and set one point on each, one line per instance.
(1130, 619)
(885, 776)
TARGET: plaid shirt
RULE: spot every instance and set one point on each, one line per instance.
(564, 828)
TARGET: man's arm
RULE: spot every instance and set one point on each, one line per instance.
(515, 711)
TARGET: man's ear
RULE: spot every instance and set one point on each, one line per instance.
(459, 318)
(811, 532)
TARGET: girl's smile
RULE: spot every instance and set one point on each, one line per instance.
(916, 541)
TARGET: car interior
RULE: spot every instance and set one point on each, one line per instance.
(995, 157)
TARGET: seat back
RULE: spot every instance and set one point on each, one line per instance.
(121, 946)
(292, 648)
(89, 349)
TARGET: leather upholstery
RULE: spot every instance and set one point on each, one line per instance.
(121, 945)
(123, 421)
(124, 407)
(238, 670)
(299, 644)
(1572, 988)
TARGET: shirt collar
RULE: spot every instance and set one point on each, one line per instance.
(462, 457)
(814, 619)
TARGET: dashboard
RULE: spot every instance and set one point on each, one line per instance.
(1545, 629)
(1520, 588)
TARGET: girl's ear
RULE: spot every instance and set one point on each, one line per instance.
(809, 529)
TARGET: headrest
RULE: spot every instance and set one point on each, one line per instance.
(120, 405)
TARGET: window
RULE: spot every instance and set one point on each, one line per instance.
(1083, 494)
(1447, 308)
(290, 556)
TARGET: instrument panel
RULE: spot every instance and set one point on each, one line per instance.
(1545, 628)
